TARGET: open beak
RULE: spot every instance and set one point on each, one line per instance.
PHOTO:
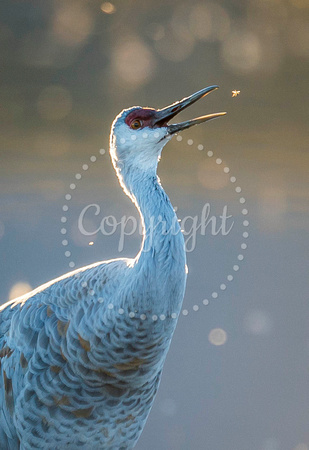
(162, 116)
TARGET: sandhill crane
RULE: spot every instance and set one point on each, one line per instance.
(81, 356)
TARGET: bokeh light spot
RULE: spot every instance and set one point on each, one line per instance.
(133, 63)
(177, 41)
(72, 22)
(242, 52)
(19, 289)
(258, 322)
(209, 22)
(217, 336)
(108, 8)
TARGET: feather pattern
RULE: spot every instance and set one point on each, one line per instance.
(82, 356)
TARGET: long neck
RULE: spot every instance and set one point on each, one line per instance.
(162, 237)
(161, 260)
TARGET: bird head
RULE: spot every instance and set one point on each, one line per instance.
(138, 134)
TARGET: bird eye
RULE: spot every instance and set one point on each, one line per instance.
(136, 124)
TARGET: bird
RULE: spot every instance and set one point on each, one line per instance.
(82, 356)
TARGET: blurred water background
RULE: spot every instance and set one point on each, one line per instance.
(237, 375)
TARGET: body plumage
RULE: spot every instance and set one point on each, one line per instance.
(82, 356)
